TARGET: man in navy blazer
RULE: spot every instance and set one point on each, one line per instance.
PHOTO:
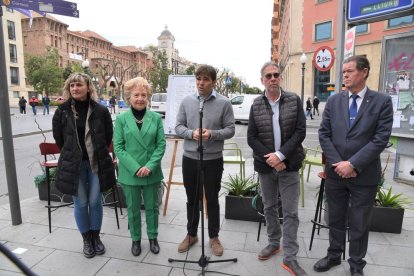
(353, 133)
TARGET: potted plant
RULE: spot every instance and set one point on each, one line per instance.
(40, 182)
(388, 212)
(238, 200)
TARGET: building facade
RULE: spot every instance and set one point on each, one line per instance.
(175, 63)
(304, 26)
(110, 65)
(13, 45)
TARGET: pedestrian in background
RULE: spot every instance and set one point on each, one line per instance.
(353, 163)
(112, 104)
(82, 129)
(45, 103)
(139, 143)
(276, 130)
(315, 105)
(309, 109)
(22, 105)
(34, 102)
(218, 125)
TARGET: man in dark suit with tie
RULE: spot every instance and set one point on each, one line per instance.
(355, 129)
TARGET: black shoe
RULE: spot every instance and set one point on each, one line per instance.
(136, 248)
(154, 246)
(294, 268)
(97, 243)
(356, 272)
(88, 250)
(325, 264)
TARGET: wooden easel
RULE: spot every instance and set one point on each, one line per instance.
(170, 176)
(170, 181)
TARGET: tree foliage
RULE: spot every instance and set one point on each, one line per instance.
(190, 70)
(158, 74)
(44, 73)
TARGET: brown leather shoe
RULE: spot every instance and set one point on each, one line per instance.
(185, 245)
(216, 246)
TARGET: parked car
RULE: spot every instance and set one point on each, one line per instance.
(241, 106)
(159, 103)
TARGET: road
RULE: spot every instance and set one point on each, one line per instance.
(28, 158)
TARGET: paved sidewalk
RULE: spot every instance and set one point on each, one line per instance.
(60, 253)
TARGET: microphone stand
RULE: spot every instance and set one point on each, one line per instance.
(204, 260)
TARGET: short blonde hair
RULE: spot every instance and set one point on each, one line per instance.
(138, 82)
(80, 77)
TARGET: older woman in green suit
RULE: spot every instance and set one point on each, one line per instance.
(139, 143)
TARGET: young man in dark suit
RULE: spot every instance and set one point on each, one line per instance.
(355, 129)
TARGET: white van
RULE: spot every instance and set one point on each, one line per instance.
(241, 106)
(159, 103)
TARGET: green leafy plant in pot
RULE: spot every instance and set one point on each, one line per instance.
(240, 192)
(240, 186)
(388, 211)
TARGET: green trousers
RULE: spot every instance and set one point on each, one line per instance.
(133, 200)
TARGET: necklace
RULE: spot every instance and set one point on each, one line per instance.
(139, 121)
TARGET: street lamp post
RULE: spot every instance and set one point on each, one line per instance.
(85, 66)
(303, 60)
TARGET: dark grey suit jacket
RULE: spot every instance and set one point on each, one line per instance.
(363, 142)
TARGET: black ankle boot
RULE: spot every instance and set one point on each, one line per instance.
(154, 246)
(97, 243)
(136, 248)
(88, 250)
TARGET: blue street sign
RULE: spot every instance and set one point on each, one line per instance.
(59, 3)
(22, 4)
(49, 6)
(368, 11)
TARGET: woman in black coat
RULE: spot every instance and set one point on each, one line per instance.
(83, 130)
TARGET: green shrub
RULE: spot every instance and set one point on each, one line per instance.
(240, 186)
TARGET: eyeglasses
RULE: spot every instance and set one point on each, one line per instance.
(270, 75)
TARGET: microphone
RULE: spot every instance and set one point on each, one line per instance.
(201, 101)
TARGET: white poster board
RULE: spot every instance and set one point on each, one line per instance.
(179, 86)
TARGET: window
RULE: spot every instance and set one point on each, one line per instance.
(323, 31)
(401, 21)
(11, 30)
(14, 75)
(16, 94)
(237, 100)
(361, 29)
(13, 53)
(321, 1)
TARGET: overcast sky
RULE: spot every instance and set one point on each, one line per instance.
(233, 34)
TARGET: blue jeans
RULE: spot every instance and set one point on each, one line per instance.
(88, 204)
(34, 109)
(45, 108)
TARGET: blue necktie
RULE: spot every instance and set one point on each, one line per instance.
(353, 109)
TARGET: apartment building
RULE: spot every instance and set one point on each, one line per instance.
(13, 45)
(303, 26)
(111, 65)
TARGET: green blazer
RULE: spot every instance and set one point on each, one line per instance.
(137, 148)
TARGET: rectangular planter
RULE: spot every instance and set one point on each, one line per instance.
(240, 208)
(55, 194)
(388, 220)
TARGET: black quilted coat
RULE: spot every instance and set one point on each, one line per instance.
(66, 137)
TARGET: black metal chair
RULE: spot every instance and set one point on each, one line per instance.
(47, 149)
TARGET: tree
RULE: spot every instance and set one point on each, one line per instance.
(158, 74)
(44, 73)
(190, 70)
(72, 68)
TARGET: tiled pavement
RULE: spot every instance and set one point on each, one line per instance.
(60, 253)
